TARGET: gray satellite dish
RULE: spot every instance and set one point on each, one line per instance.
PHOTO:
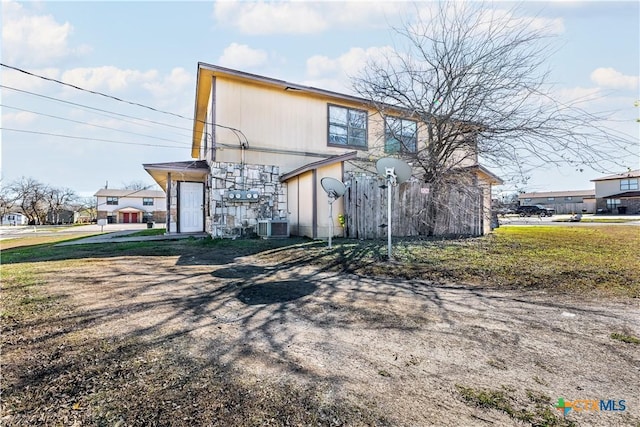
(394, 171)
(334, 189)
(388, 167)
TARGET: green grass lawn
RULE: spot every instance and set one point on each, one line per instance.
(599, 260)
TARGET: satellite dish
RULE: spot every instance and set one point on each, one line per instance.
(333, 187)
(396, 169)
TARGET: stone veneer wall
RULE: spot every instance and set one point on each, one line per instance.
(632, 205)
(229, 218)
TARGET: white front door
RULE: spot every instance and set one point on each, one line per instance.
(191, 207)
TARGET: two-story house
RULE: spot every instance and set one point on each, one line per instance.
(261, 147)
(618, 193)
(119, 206)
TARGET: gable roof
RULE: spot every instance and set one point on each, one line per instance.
(195, 170)
(624, 175)
(175, 166)
(117, 192)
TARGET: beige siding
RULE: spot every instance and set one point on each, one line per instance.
(304, 217)
(324, 223)
(301, 199)
(293, 205)
(283, 122)
(607, 188)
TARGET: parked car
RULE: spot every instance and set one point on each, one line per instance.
(505, 211)
(538, 210)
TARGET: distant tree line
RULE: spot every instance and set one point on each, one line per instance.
(44, 204)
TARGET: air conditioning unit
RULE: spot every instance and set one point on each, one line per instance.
(271, 228)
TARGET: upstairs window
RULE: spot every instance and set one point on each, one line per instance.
(551, 199)
(629, 184)
(347, 127)
(147, 201)
(568, 198)
(400, 135)
(112, 200)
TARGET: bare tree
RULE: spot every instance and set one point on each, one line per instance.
(57, 200)
(31, 199)
(135, 185)
(7, 201)
(475, 83)
(86, 207)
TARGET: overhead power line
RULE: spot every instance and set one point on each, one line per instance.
(90, 124)
(93, 91)
(88, 139)
(95, 109)
(239, 134)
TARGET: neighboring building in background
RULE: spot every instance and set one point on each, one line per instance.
(618, 193)
(131, 206)
(563, 202)
(14, 218)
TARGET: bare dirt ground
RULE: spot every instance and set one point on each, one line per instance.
(388, 352)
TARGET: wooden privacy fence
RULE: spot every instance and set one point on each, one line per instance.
(459, 209)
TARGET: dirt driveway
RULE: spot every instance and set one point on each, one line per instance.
(408, 352)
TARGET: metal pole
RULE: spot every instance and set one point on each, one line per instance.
(330, 221)
(389, 218)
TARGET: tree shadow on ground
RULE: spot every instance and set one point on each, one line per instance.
(171, 340)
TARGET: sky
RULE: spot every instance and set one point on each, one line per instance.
(146, 53)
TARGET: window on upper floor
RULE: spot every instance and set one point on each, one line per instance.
(551, 199)
(629, 184)
(347, 127)
(147, 201)
(400, 135)
(112, 200)
(568, 198)
(527, 199)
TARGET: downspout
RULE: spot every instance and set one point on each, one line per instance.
(168, 219)
(314, 198)
(298, 200)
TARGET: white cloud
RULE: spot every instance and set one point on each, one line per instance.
(19, 119)
(34, 40)
(483, 20)
(174, 83)
(242, 56)
(107, 77)
(335, 73)
(270, 18)
(613, 79)
(18, 80)
(302, 17)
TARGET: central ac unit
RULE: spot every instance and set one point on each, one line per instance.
(270, 228)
